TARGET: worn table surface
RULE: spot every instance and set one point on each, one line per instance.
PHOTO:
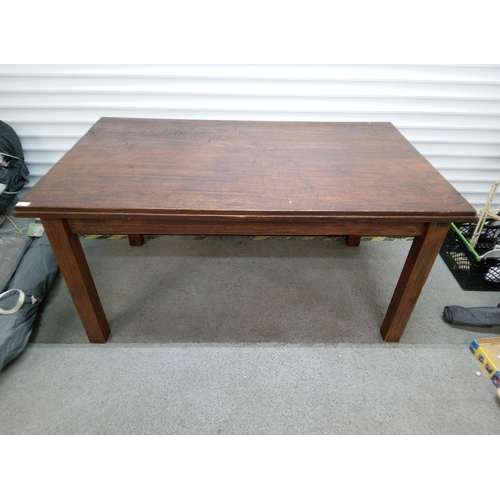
(184, 166)
(137, 176)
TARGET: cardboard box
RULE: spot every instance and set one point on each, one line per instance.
(487, 352)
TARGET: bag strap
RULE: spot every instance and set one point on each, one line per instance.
(19, 303)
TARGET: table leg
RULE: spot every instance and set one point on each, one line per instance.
(353, 240)
(136, 240)
(418, 265)
(75, 270)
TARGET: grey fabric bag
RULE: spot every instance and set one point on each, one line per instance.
(14, 241)
(485, 317)
(27, 267)
(33, 277)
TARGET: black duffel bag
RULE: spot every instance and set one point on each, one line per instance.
(14, 173)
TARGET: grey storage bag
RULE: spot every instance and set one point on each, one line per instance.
(14, 241)
(485, 317)
(20, 302)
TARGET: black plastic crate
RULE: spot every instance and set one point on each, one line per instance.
(470, 271)
(487, 239)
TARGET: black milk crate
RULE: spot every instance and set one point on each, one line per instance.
(488, 237)
(470, 270)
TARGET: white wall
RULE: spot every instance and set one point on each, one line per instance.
(451, 114)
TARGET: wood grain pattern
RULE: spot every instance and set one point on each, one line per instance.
(184, 166)
(245, 225)
(418, 265)
(75, 270)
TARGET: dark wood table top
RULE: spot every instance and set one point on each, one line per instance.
(127, 166)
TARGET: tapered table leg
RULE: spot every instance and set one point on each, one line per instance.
(418, 265)
(75, 270)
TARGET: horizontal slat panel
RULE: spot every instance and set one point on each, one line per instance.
(49, 157)
(246, 86)
(39, 143)
(469, 163)
(481, 74)
(458, 148)
(478, 200)
(451, 134)
(486, 176)
(230, 102)
(451, 114)
(30, 128)
(38, 169)
(472, 187)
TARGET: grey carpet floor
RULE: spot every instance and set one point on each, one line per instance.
(233, 335)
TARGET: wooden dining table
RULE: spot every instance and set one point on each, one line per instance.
(136, 177)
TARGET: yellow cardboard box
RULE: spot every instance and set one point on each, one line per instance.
(487, 352)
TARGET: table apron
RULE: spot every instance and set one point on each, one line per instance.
(247, 225)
